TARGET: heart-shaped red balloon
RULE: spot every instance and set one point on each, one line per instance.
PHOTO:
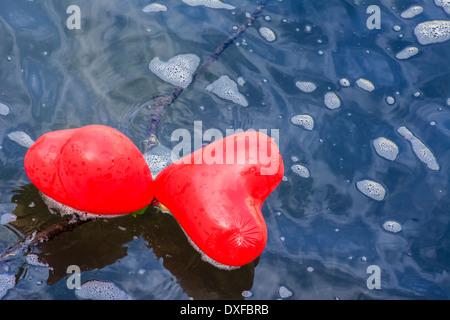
(216, 194)
(94, 169)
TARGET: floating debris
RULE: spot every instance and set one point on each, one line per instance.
(385, 148)
(306, 86)
(411, 12)
(101, 290)
(21, 138)
(178, 71)
(300, 170)
(407, 53)
(214, 4)
(371, 189)
(365, 84)
(303, 120)
(267, 34)
(422, 152)
(445, 4)
(154, 7)
(332, 101)
(435, 31)
(4, 109)
(392, 226)
(226, 88)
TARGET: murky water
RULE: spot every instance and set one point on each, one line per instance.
(317, 59)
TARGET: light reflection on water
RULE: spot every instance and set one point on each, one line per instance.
(323, 233)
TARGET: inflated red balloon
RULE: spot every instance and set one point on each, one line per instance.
(94, 169)
(216, 194)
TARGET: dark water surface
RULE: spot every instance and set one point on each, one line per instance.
(323, 233)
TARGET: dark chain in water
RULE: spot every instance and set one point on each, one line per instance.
(159, 104)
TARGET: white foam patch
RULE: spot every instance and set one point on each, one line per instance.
(267, 34)
(445, 4)
(303, 120)
(306, 86)
(177, 71)
(101, 290)
(154, 7)
(332, 101)
(407, 53)
(284, 292)
(56, 207)
(33, 259)
(214, 4)
(392, 226)
(420, 149)
(7, 218)
(434, 31)
(300, 170)
(7, 281)
(226, 88)
(411, 12)
(21, 138)
(371, 189)
(344, 82)
(365, 84)
(4, 109)
(385, 148)
(158, 158)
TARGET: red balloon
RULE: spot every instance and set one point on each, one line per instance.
(94, 169)
(216, 194)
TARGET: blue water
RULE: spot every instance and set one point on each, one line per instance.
(323, 233)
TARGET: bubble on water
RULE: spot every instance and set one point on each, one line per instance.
(101, 290)
(407, 53)
(411, 12)
(21, 138)
(7, 281)
(390, 100)
(445, 4)
(303, 120)
(306, 86)
(284, 292)
(154, 7)
(434, 31)
(7, 218)
(267, 34)
(397, 28)
(371, 189)
(365, 84)
(300, 170)
(226, 88)
(247, 293)
(177, 71)
(158, 158)
(344, 82)
(448, 102)
(214, 4)
(240, 81)
(331, 100)
(392, 226)
(385, 148)
(4, 109)
(422, 152)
